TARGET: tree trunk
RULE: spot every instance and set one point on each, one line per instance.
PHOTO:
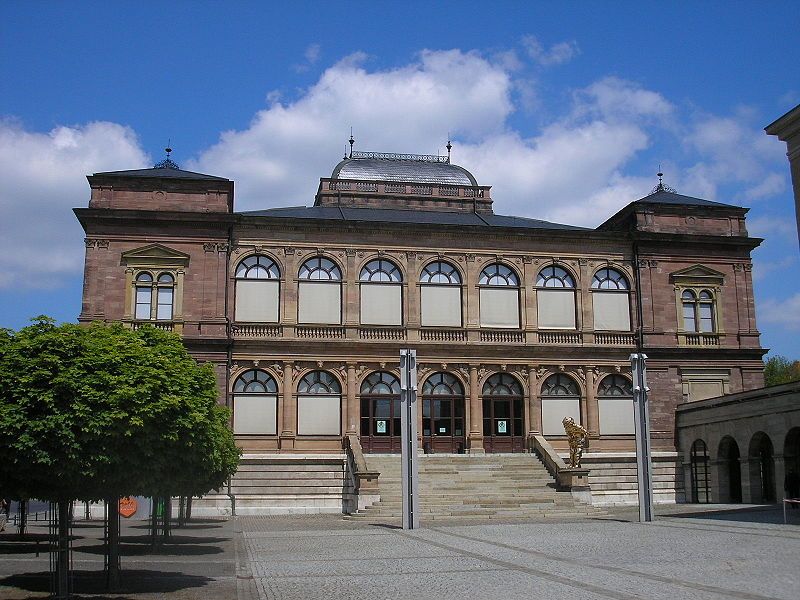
(62, 551)
(167, 518)
(23, 518)
(189, 508)
(112, 514)
(154, 539)
(181, 511)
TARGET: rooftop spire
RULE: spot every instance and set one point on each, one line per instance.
(661, 187)
(351, 141)
(167, 163)
(449, 147)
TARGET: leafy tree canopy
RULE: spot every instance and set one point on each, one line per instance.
(779, 369)
(99, 411)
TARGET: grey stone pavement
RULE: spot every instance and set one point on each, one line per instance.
(708, 552)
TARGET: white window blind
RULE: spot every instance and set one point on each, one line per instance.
(616, 416)
(255, 414)
(556, 308)
(381, 304)
(553, 412)
(319, 303)
(318, 415)
(257, 301)
(499, 307)
(441, 306)
(611, 311)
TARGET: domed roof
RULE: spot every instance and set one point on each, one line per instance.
(408, 168)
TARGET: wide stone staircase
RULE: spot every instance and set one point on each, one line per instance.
(474, 487)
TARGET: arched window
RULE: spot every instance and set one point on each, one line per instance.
(255, 403)
(319, 404)
(319, 292)
(561, 397)
(380, 412)
(611, 301)
(499, 297)
(699, 466)
(144, 296)
(440, 290)
(555, 298)
(503, 414)
(257, 290)
(615, 405)
(381, 293)
(159, 306)
(443, 413)
(698, 311)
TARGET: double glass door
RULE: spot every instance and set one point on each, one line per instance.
(503, 424)
(443, 424)
(380, 424)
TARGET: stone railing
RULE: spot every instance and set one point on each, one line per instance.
(382, 333)
(503, 337)
(414, 189)
(325, 333)
(364, 482)
(574, 479)
(701, 339)
(442, 335)
(615, 339)
(256, 330)
(162, 325)
(559, 337)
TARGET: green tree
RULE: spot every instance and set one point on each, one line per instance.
(102, 411)
(779, 369)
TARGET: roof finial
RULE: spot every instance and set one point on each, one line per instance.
(345, 152)
(352, 141)
(167, 163)
(449, 147)
(661, 187)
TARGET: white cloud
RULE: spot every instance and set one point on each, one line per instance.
(785, 313)
(311, 56)
(557, 54)
(42, 177)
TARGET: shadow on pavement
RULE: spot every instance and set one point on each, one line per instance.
(767, 513)
(132, 581)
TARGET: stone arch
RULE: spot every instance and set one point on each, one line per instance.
(761, 464)
(729, 471)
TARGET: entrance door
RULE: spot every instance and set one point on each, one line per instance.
(503, 414)
(443, 414)
(443, 424)
(380, 413)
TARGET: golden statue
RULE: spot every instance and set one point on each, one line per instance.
(576, 435)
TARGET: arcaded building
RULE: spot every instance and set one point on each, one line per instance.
(517, 322)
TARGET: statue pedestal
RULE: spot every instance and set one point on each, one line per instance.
(576, 480)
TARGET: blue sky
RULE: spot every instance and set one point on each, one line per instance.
(566, 108)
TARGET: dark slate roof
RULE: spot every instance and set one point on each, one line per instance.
(667, 197)
(408, 171)
(411, 217)
(162, 173)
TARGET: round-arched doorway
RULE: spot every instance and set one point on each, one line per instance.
(730, 471)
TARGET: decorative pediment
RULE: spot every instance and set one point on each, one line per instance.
(154, 255)
(698, 274)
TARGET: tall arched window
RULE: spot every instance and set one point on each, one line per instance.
(615, 405)
(319, 404)
(159, 306)
(499, 297)
(698, 311)
(257, 290)
(503, 414)
(561, 397)
(381, 285)
(443, 413)
(255, 403)
(699, 464)
(555, 297)
(611, 301)
(440, 290)
(380, 413)
(144, 296)
(319, 292)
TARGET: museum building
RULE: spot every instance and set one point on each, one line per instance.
(517, 322)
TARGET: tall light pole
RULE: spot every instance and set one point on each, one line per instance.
(408, 423)
(644, 474)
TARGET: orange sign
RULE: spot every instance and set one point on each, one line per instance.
(128, 506)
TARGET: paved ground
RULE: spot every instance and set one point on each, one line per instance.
(745, 553)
